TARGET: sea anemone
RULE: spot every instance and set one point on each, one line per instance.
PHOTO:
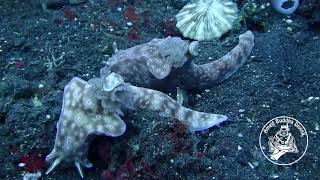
(206, 19)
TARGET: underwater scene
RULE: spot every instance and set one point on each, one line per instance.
(159, 89)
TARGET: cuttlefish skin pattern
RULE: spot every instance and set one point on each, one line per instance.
(95, 106)
(81, 116)
(167, 63)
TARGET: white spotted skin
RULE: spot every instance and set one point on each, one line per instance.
(80, 118)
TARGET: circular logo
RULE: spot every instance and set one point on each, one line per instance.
(283, 140)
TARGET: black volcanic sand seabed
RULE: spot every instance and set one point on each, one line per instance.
(284, 70)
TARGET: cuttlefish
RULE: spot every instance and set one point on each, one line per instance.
(96, 106)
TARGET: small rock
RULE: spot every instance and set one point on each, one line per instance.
(21, 165)
(171, 161)
(317, 128)
(289, 21)
(40, 86)
(31, 176)
(19, 41)
(48, 116)
(275, 176)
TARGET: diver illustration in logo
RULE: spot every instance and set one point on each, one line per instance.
(281, 143)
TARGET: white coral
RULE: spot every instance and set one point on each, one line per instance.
(206, 19)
